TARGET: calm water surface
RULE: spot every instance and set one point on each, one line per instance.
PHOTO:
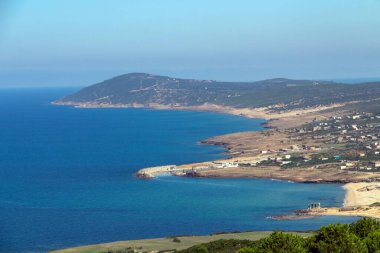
(66, 177)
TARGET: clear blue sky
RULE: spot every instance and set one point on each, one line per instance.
(79, 42)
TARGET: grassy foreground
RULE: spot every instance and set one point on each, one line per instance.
(170, 243)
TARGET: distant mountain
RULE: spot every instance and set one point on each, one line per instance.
(140, 88)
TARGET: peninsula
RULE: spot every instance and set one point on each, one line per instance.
(316, 131)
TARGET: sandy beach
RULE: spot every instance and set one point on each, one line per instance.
(361, 200)
(277, 119)
(359, 194)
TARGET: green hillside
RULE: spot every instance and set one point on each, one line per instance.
(285, 93)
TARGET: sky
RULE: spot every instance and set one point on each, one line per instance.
(77, 43)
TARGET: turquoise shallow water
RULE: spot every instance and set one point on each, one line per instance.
(66, 177)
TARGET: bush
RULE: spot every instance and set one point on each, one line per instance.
(279, 242)
(336, 238)
(199, 249)
(221, 246)
(373, 241)
(176, 239)
(247, 250)
(362, 236)
(364, 227)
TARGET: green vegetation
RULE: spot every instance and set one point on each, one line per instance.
(168, 244)
(279, 242)
(362, 236)
(176, 239)
(364, 227)
(336, 238)
(221, 246)
(143, 88)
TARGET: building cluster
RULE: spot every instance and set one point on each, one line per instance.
(354, 138)
(350, 142)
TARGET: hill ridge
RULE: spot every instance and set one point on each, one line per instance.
(144, 88)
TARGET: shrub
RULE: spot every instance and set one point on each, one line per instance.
(279, 242)
(199, 249)
(336, 238)
(364, 227)
(247, 250)
(222, 246)
(373, 241)
(176, 239)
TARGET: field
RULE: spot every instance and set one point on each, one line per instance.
(170, 243)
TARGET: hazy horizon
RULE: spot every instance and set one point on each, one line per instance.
(72, 43)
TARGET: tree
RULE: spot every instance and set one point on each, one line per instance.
(336, 238)
(247, 250)
(364, 227)
(373, 241)
(279, 242)
(222, 246)
(199, 249)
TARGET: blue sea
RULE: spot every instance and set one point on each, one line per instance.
(66, 176)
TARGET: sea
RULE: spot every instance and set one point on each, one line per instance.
(66, 176)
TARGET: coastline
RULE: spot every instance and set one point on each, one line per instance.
(244, 148)
(361, 200)
(274, 119)
(361, 194)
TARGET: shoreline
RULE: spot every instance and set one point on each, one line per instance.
(273, 136)
(361, 194)
(361, 200)
(274, 119)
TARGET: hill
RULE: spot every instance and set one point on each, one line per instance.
(277, 94)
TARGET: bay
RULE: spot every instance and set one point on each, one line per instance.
(66, 176)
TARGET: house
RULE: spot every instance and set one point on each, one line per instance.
(375, 164)
(231, 165)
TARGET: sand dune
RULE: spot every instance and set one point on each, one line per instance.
(359, 194)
